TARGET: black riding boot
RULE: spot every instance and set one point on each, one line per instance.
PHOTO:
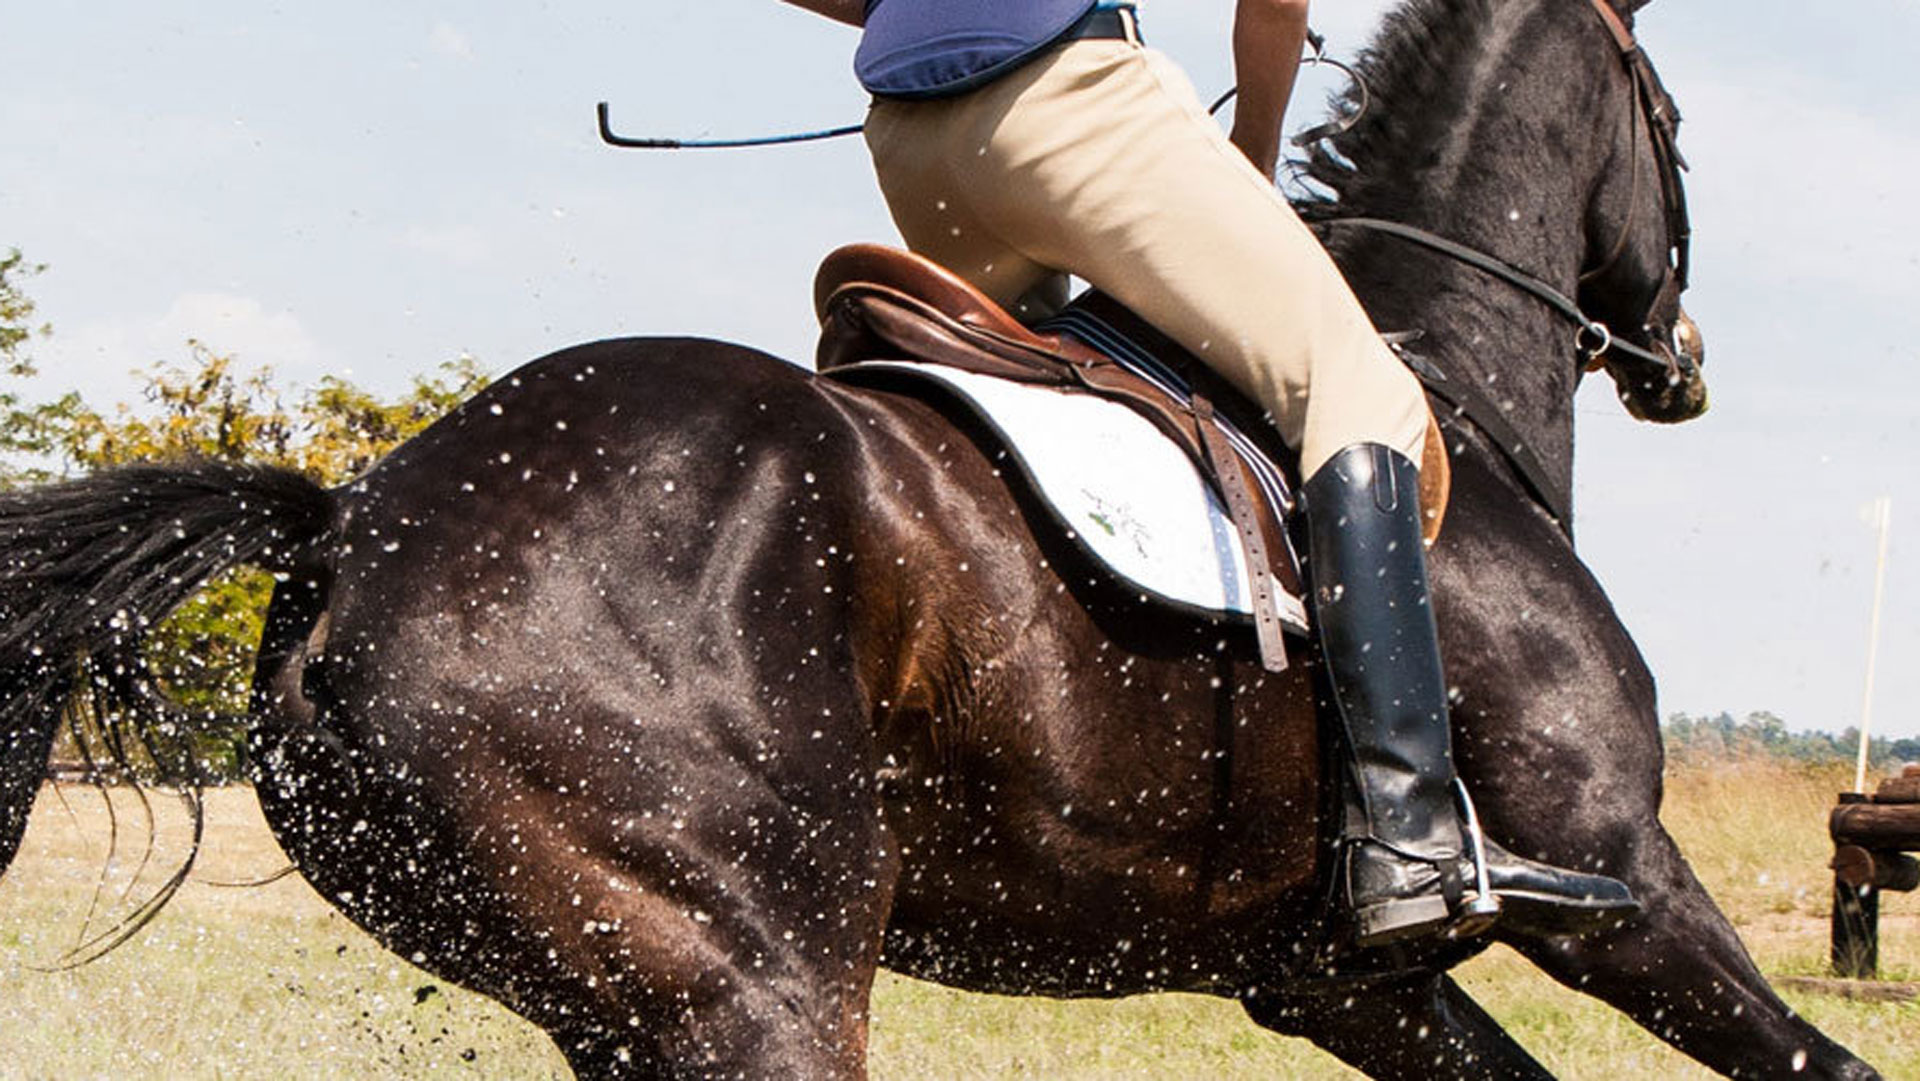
(1407, 861)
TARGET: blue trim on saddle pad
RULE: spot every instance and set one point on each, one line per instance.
(1102, 336)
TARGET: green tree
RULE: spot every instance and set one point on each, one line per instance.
(27, 432)
(16, 312)
(1764, 734)
(210, 407)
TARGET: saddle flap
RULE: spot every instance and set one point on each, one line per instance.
(879, 304)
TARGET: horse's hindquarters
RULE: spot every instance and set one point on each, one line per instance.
(588, 713)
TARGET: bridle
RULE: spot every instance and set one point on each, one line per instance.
(1665, 356)
(1594, 341)
(1655, 105)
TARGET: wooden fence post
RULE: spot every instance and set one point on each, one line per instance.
(1872, 836)
(1856, 931)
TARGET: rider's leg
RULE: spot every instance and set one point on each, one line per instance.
(933, 209)
(1404, 861)
(1099, 158)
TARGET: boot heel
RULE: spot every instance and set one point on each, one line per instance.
(1391, 921)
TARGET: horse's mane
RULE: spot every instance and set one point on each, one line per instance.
(1412, 62)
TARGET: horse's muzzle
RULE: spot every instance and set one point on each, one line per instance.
(1680, 391)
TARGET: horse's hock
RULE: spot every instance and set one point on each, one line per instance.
(1872, 836)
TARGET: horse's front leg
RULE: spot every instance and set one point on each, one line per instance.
(1680, 971)
(1558, 741)
(1579, 785)
(1557, 737)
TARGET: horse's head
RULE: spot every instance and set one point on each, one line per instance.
(1637, 241)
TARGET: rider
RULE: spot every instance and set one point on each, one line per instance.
(1019, 140)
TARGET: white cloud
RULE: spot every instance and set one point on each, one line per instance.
(235, 324)
(1797, 191)
(94, 358)
(464, 244)
(447, 40)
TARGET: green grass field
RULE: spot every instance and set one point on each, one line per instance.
(269, 982)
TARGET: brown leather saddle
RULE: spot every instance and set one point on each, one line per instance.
(881, 303)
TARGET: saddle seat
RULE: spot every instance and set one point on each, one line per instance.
(853, 275)
(877, 303)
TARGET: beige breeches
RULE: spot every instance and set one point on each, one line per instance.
(1098, 159)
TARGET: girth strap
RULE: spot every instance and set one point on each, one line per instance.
(1227, 467)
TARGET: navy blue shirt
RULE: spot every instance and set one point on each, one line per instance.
(937, 48)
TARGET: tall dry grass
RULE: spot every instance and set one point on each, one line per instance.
(270, 982)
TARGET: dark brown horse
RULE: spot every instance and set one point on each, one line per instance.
(665, 690)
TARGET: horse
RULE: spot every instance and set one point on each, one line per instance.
(664, 690)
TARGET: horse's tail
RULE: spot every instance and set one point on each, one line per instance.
(88, 567)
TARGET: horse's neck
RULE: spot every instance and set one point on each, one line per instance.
(1512, 159)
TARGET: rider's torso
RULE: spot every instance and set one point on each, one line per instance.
(938, 48)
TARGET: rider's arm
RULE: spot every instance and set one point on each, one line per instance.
(851, 12)
(1267, 36)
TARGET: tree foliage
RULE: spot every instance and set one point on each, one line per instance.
(16, 312)
(209, 406)
(26, 430)
(1764, 735)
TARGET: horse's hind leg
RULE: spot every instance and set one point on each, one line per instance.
(694, 896)
(685, 877)
(1417, 1025)
(686, 971)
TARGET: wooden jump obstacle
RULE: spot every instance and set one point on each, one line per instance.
(1872, 836)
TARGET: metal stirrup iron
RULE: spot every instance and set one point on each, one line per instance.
(1484, 908)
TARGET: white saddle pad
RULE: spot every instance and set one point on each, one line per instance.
(1123, 491)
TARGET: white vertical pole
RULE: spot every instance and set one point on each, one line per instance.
(1883, 517)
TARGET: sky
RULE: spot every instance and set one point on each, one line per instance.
(370, 189)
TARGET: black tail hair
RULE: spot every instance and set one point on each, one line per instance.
(87, 567)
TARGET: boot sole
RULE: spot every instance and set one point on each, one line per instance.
(1554, 916)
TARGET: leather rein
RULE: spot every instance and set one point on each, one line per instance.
(1594, 342)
